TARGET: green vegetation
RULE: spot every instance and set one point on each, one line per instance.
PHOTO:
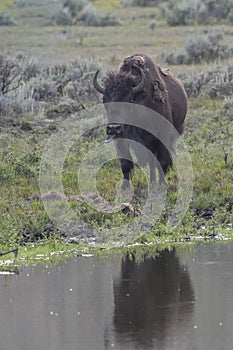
(203, 48)
(106, 3)
(83, 12)
(5, 3)
(197, 12)
(140, 2)
(46, 75)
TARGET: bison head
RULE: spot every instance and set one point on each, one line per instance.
(120, 87)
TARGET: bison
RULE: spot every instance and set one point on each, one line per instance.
(140, 80)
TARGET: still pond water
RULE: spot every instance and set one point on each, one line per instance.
(175, 301)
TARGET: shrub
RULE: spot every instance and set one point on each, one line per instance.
(5, 20)
(75, 6)
(14, 71)
(109, 20)
(152, 24)
(83, 11)
(217, 82)
(66, 88)
(15, 74)
(186, 12)
(89, 16)
(63, 19)
(227, 107)
(53, 91)
(205, 47)
(178, 57)
(211, 11)
(181, 12)
(142, 3)
(20, 3)
(223, 84)
(75, 79)
(230, 16)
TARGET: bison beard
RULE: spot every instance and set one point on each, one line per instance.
(142, 81)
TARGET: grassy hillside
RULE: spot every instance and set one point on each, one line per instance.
(56, 65)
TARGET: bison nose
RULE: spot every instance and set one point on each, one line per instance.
(113, 131)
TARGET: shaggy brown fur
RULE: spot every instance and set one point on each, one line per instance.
(119, 86)
(161, 92)
(164, 92)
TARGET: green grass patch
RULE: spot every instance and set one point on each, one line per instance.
(5, 3)
(106, 4)
(57, 251)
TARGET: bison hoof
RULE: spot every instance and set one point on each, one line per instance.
(125, 185)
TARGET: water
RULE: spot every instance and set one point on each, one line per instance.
(175, 301)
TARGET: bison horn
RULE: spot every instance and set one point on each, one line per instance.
(142, 83)
(97, 86)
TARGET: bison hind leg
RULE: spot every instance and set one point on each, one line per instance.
(165, 159)
(157, 170)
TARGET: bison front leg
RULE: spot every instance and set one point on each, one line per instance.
(126, 167)
(124, 155)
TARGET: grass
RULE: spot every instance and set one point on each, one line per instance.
(5, 4)
(208, 135)
(57, 251)
(106, 4)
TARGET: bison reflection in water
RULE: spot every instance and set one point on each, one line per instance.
(141, 81)
(154, 301)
